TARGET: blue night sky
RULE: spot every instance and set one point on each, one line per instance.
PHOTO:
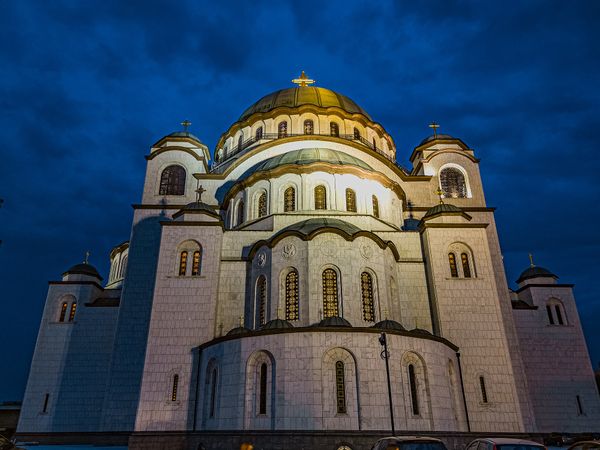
(87, 87)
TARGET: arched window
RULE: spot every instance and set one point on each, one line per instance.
(240, 213)
(374, 144)
(484, 397)
(63, 312)
(196, 262)
(453, 268)
(350, 200)
(412, 381)
(262, 205)
(375, 206)
(172, 181)
(320, 197)
(559, 317)
(289, 199)
(555, 312)
(309, 127)
(240, 142)
(291, 295)
(550, 316)
(174, 388)
(183, 263)
(213, 392)
(262, 394)
(340, 387)
(330, 293)
(366, 284)
(259, 133)
(334, 129)
(261, 299)
(282, 129)
(465, 265)
(453, 183)
(356, 133)
(72, 311)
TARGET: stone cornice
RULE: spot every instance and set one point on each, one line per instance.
(551, 286)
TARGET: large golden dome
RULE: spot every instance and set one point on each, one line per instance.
(303, 95)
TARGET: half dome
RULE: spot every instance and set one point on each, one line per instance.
(83, 269)
(307, 156)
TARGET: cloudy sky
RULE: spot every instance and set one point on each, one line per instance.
(87, 86)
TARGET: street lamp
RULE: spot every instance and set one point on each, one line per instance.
(385, 355)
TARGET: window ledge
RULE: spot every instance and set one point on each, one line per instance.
(463, 278)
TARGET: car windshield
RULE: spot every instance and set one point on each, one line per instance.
(519, 447)
(421, 446)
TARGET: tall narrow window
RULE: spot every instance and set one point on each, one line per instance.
(559, 317)
(240, 213)
(183, 263)
(375, 206)
(412, 381)
(282, 130)
(72, 311)
(350, 200)
(453, 183)
(174, 387)
(340, 387)
(453, 268)
(356, 133)
(330, 293)
(240, 142)
(465, 265)
(291, 295)
(172, 181)
(320, 197)
(309, 127)
(374, 144)
(484, 397)
(366, 284)
(123, 267)
(45, 405)
(334, 129)
(259, 133)
(289, 199)
(262, 395)
(261, 299)
(262, 204)
(550, 316)
(579, 405)
(63, 312)
(196, 263)
(213, 392)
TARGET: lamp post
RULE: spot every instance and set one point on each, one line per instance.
(385, 355)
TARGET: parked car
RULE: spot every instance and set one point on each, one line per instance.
(504, 444)
(586, 445)
(408, 443)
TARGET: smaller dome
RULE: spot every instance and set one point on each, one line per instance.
(420, 331)
(388, 324)
(308, 226)
(334, 321)
(434, 138)
(186, 134)
(276, 324)
(442, 208)
(199, 206)
(535, 272)
(238, 331)
(83, 269)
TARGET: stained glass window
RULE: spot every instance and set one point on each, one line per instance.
(413, 390)
(356, 133)
(183, 263)
(261, 299)
(334, 129)
(63, 312)
(340, 387)
(174, 388)
(289, 199)
(320, 197)
(262, 204)
(172, 181)
(291, 296)
(350, 200)
(196, 263)
(453, 268)
(375, 206)
(282, 129)
(72, 311)
(366, 284)
(309, 127)
(259, 133)
(262, 396)
(453, 183)
(330, 293)
(240, 213)
(484, 397)
(465, 265)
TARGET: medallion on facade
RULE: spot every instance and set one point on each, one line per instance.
(289, 251)
(328, 248)
(366, 251)
(261, 258)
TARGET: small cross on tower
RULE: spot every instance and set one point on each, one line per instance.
(186, 124)
(303, 80)
(531, 260)
(434, 126)
(199, 193)
(87, 257)
(440, 194)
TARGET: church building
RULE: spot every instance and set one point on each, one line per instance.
(250, 298)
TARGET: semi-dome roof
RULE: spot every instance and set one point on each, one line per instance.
(535, 272)
(276, 324)
(306, 156)
(441, 208)
(308, 226)
(84, 269)
(388, 324)
(334, 321)
(238, 331)
(303, 95)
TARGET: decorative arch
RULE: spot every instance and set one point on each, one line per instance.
(172, 180)
(282, 129)
(454, 181)
(188, 258)
(461, 261)
(309, 126)
(261, 205)
(260, 398)
(334, 129)
(555, 311)
(340, 389)
(64, 306)
(417, 401)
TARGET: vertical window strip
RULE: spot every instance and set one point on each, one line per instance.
(291, 296)
(330, 293)
(262, 400)
(196, 263)
(412, 381)
(320, 197)
(309, 127)
(72, 311)
(559, 317)
(350, 200)
(174, 388)
(262, 205)
(465, 265)
(366, 283)
(183, 263)
(453, 268)
(484, 397)
(550, 316)
(213, 393)
(579, 405)
(289, 199)
(334, 129)
(282, 129)
(340, 387)
(261, 294)
(63, 312)
(45, 406)
(240, 142)
(375, 206)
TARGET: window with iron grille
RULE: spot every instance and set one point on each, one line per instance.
(196, 263)
(291, 295)
(465, 265)
(183, 263)
(289, 199)
(375, 206)
(282, 129)
(262, 204)
(350, 200)
(172, 181)
(320, 197)
(453, 268)
(72, 312)
(340, 387)
(366, 284)
(330, 293)
(453, 183)
(309, 127)
(334, 129)
(261, 299)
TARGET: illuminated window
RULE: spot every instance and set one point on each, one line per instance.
(366, 284)
(183, 263)
(259, 133)
(196, 263)
(63, 312)
(453, 268)
(174, 388)
(261, 299)
(330, 293)
(484, 397)
(340, 387)
(240, 142)
(291, 295)
(72, 311)
(172, 181)
(453, 183)
(309, 127)
(375, 206)
(320, 197)
(240, 213)
(334, 129)
(262, 204)
(412, 381)
(282, 130)
(350, 200)
(289, 199)
(213, 393)
(356, 133)
(465, 265)
(262, 395)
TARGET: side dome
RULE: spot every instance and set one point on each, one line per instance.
(83, 269)
(334, 321)
(535, 272)
(303, 95)
(442, 208)
(388, 324)
(238, 331)
(276, 324)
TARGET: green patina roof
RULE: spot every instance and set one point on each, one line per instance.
(306, 227)
(310, 155)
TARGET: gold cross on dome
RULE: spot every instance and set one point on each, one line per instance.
(434, 126)
(199, 193)
(303, 80)
(531, 260)
(440, 194)
(186, 124)
(87, 257)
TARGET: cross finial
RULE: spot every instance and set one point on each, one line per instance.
(440, 194)
(186, 124)
(302, 80)
(241, 321)
(87, 257)
(531, 260)
(434, 126)
(199, 193)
